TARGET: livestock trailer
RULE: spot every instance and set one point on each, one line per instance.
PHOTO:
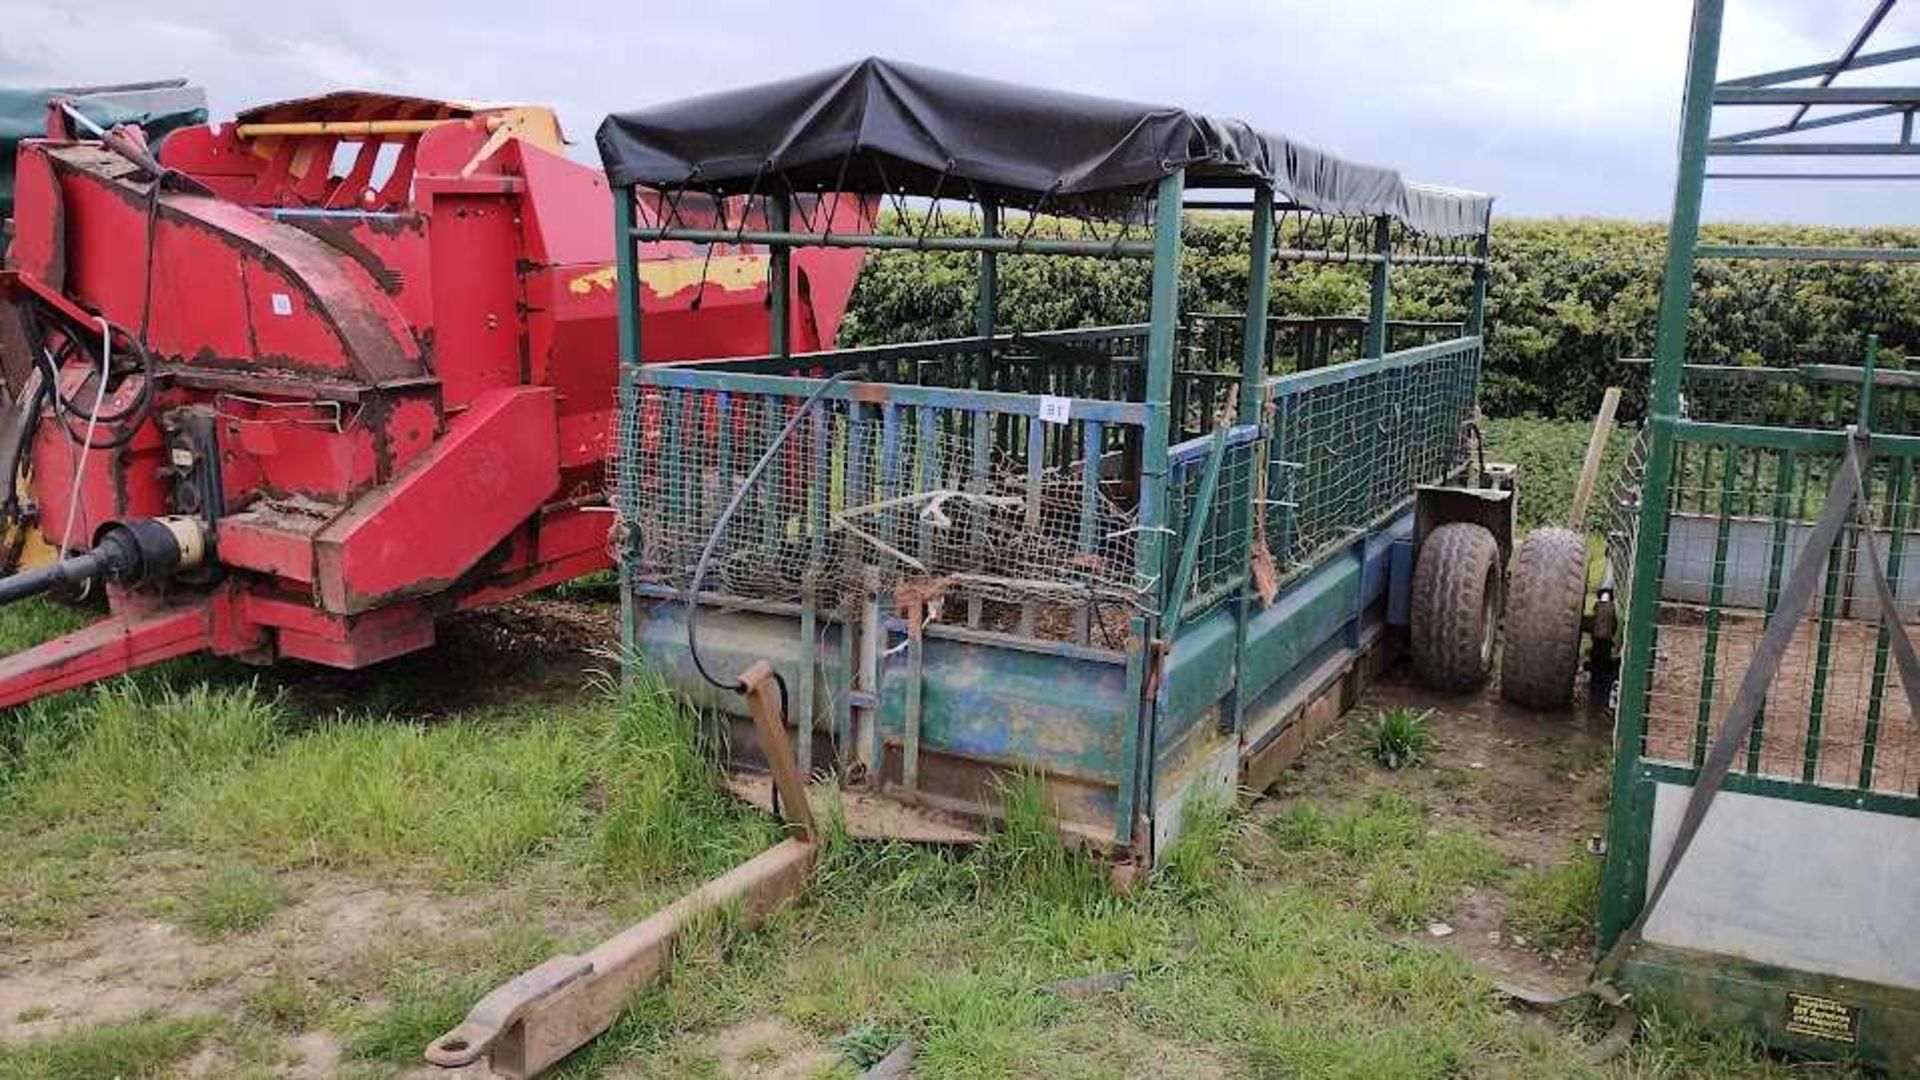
(1765, 824)
(1139, 562)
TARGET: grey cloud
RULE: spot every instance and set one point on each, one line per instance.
(1557, 106)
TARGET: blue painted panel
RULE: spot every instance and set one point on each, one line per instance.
(1313, 610)
(1198, 673)
(1036, 709)
(730, 641)
(1400, 584)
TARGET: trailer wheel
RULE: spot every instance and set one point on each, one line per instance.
(1456, 606)
(1542, 657)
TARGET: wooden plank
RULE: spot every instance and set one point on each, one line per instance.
(1596, 449)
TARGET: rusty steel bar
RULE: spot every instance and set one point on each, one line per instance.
(536, 1019)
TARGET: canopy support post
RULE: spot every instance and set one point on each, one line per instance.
(780, 270)
(1253, 360)
(989, 289)
(1377, 294)
(1163, 313)
(1477, 297)
(1623, 890)
(627, 290)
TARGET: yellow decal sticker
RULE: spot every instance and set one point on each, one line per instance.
(1822, 1018)
(729, 273)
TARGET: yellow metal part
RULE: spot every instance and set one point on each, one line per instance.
(22, 547)
(729, 273)
(535, 124)
(532, 124)
(355, 129)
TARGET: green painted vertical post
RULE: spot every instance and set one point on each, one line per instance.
(1253, 356)
(1163, 314)
(1253, 403)
(627, 286)
(1477, 298)
(1898, 524)
(1624, 884)
(1867, 386)
(1377, 293)
(780, 269)
(986, 317)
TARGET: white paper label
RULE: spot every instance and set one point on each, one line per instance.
(282, 303)
(1055, 410)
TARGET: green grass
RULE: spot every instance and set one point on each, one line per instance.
(458, 797)
(232, 899)
(664, 814)
(1274, 951)
(1400, 738)
(1549, 453)
(134, 748)
(128, 1050)
(288, 1001)
(1384, 858)
(422, 1005)
(1554, 906)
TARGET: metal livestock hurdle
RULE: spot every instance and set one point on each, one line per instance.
(1136, 562)
(1765, 819)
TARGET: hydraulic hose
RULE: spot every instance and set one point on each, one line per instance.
(720, 528)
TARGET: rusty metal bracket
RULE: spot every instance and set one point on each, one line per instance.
(536, 1019)
(762, 689)
(502, 1008)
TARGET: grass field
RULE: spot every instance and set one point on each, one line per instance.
(214, 871)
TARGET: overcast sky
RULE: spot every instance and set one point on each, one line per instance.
(1557, 106)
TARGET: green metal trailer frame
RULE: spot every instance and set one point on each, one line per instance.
(1791, 913)
(1242, 456)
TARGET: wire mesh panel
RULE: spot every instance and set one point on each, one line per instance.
(1350, 443)
(1221, 535)
(1809, 397)
(960, 498)
(1743, 511)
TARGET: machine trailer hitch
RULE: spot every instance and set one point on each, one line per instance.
(532, 1021)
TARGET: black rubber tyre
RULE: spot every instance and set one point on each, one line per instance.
(1456, 607)
(1549, 593)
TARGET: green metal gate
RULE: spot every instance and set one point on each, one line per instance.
(1791, 908)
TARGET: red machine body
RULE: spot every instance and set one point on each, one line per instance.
(381, 348)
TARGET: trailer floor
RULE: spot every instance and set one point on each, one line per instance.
(308, 874)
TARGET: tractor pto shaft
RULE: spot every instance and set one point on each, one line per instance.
(129, 553)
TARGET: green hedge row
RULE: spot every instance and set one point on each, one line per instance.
(1568, 299)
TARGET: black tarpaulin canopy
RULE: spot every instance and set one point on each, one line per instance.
(881, 126)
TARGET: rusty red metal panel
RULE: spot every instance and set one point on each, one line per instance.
(39, 244)
(478, 329)
(279, 544)
(105, 649)
(408, 346)
(494, 467)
